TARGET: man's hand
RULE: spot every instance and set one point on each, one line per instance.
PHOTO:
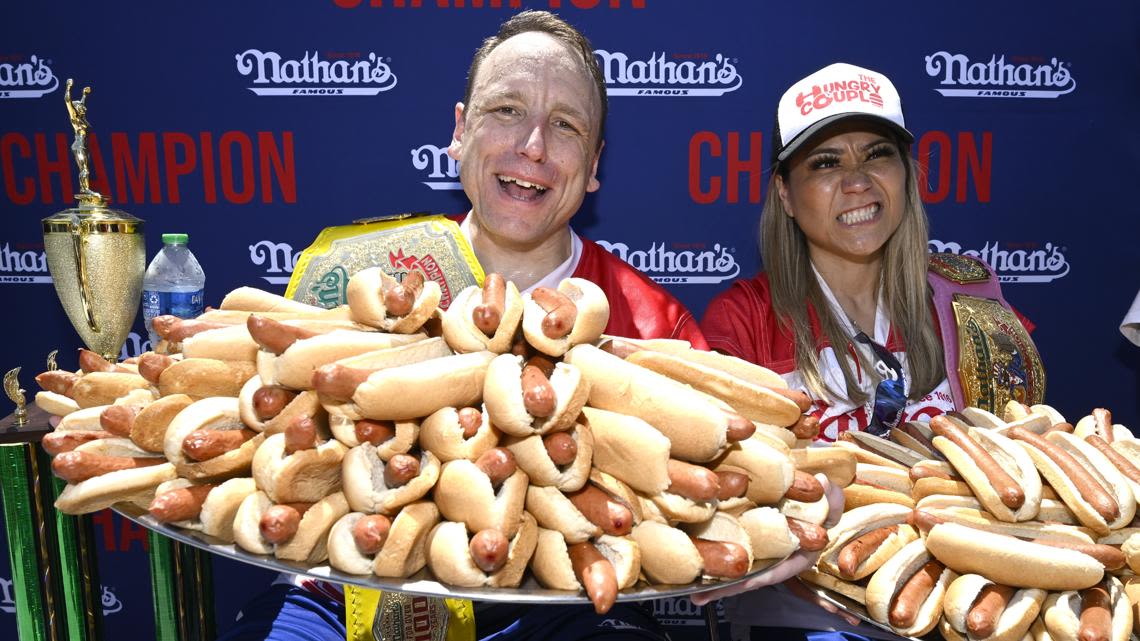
(789, 567)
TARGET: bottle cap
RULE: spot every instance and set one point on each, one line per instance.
(175, 239)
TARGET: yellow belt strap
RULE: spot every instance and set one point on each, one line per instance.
(360, 611)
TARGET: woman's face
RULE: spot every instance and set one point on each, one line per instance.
(846, 190)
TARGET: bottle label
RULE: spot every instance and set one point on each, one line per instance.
(180, 304)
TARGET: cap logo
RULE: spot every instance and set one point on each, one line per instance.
(864, 88)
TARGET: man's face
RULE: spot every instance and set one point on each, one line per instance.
(527, 142)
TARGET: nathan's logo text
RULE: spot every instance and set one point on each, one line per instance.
(111, 603)
(668, 75)
(1020, 77)
(679, 266)
(485, 4)
(30, 79)
(23, 267)
(1020, 263)
(443, 170)
(349, 74)
(278, 258)
(136, 345)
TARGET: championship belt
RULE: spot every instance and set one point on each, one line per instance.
(984, 342)
(431, 244)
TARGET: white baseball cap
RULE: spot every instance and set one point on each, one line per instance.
(835, 92)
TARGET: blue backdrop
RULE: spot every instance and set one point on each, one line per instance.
(251, 126)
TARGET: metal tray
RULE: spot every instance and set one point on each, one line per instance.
(420, 583)
(852, 607)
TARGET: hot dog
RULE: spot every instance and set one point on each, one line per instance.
(366, 479)
(208, 508)
(58, 441)
(375, 544)
(484, 494)
(488, 558)
(304, 476)
(906, 591)
(720, 548)
(979, 609)
(484, 318)
(554, 320)
(173, 329)
(523, 399)
(558, 459)
(103, 472)
(1099, 613)
(293, 367)
(601, 567)
(269, 408)
(999, 472)
(148, 429)
(864, 538)
(211, 456)
(294, 531)
(453, 433)
(204, 377)
(378, 300)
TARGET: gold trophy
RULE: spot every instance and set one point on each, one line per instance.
(96, 255)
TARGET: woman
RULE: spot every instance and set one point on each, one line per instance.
(851, 308)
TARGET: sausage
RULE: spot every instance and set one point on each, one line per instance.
(918, 435)
(860, 549)
(498, 463)
(1096, 614)
(1010, 493)
(338, 381)
(176, 330)
(1116, 458)
(983, 616)
(374, 432)
(812, 537)
(913, 593)
(805, 488)
(488, 314)
(400, 469)
(923, 520)
(300, 434)
(182, 504)
(596, 574)
(538, 393)
(800, 398)
(57, 381)
(732, 485)
(118, 419)
(489, 549)
(722, 559)
(370, 532)
(561, 448)
(1109, 556)
(75, 467)
(269, 400)
(279, 523)
(1103, 420)
(1060, 427)
(275, 336)
(692, 481)
(924, 472)
(89, 362)
(739, 428)
(1089, 488)
(151, 366)
(806, 427)
(602, 510)
(58, 442)
(205, 444)
(400, 299)
(470, 420)
(561, 312)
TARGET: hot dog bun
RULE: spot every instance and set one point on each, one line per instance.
(1012, 458)
(534, 459)
(442, 435)
(366, 489)
(216, 517)
(132, 485)
(461, 332)
(251, 299)
(503, 394)
(205, 377)
(769, 469)
(1014, 621)
(1062, 613)
(404, 551)
(593, 315)
(886, 582)
(451, 381)
(365, 293)
(55, 403)
(102, 388)
(465, 494)
(295, 366)
(854, 524)
(450, 559)
(310, 543)
(552, 566)
(621, 438)
(214, 413)
(304, 476)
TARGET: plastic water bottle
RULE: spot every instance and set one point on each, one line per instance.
(174, 283)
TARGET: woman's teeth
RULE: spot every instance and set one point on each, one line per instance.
(863, 214)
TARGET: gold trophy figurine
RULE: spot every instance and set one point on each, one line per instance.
(16, 395)
(96, 255)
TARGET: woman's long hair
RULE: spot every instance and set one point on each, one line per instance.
(906, 294)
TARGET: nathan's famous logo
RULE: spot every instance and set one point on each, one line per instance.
(135, 345)
(278, 258)
(1023, 263)
(111, 603)
(345, 74)
(1019, 77)
(23, 267)
(26, 79)
(689, 264)
(662, 74)
(444, 170)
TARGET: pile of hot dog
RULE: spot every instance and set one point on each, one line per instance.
(993, 528)
(504, 434)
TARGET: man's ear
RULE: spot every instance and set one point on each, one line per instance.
(593, 184)
(456, 147)
(782, 191)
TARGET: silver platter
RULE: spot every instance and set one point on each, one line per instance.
(420, 583)
(852, 607)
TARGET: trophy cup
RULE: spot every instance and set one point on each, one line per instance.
(96, 255)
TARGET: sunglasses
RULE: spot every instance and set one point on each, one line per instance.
(890, 396)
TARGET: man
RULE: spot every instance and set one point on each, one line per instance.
(529, 136)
